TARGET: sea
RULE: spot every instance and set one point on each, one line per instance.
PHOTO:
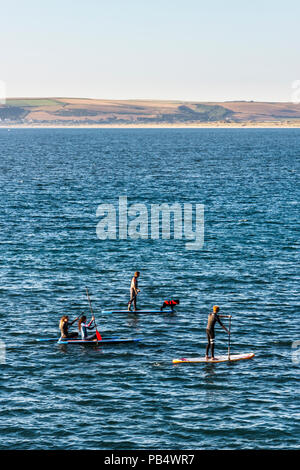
(131, 396)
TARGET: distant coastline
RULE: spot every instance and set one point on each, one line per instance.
(94, 113)
(202, 126)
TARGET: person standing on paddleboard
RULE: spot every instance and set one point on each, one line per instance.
(64, 325)
(83, 327)
(210, 331)
(134, 290)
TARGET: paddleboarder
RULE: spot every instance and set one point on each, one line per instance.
(134, 290)
(170, 303)
(210, 331)
(64, 325)
(83, 327)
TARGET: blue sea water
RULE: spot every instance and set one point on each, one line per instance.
(131, 396)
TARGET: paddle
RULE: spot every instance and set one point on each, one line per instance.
(99, 338)
(229, 337)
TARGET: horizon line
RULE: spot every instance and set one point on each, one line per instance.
(143, 99)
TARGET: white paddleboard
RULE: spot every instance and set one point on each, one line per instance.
(137, 311)
(224, 358)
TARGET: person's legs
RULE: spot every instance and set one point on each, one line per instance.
(134, 302)
(212, 347)
(208, 344)
(132, 299)
(212, 344)
(91, 337)
(72, 335)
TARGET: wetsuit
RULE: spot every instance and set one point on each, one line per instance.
(65, 331)
(133, 292)
(210, 332)
(84, 331)
(168, 303)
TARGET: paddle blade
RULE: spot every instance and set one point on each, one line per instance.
(99, 337)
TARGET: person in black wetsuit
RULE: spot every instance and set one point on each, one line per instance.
(170, 303)
(210, 331)
(64, 325)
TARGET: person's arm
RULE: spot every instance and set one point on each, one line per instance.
(90, 326)
(223, 326)
(72, 322)
(136, 289)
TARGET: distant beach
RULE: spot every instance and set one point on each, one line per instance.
(259, 125)
(96, 113)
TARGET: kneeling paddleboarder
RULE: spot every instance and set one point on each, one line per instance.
(83, 327)
(210, 331)
(170, 303)
(64, 325)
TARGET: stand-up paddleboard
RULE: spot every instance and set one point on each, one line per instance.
(224, 358)
(98, 343)
(80, 341)
(57, 339)
(137, 311)
(47, 339)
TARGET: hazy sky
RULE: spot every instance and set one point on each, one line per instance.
(166, 49)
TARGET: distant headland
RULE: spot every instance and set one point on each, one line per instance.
(83, 112)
